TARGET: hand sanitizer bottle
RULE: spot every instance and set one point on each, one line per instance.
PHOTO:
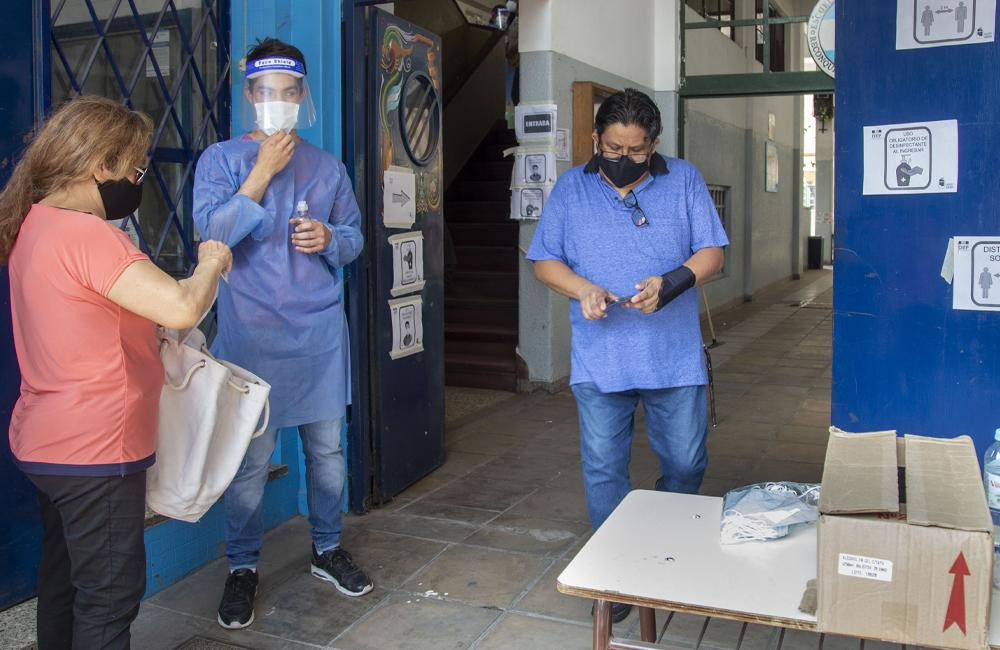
(991, 479)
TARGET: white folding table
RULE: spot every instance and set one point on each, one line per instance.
(660, 550)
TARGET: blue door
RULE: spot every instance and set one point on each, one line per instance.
(405, 326)
(20, 532)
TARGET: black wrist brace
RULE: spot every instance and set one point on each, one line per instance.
(674, 284)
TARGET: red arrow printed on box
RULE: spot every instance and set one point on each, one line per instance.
(956, 603)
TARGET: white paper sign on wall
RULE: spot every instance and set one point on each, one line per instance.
(938, 23)
(407, 326)
(976, 284)
(534, 168)
(915, 158)
(535, 121)
(407, 262)
(528, 202)
(399, 191)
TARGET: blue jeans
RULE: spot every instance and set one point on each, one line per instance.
(325, 470)
(676, 425)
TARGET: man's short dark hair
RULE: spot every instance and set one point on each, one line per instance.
(628, 107)
(274, 47)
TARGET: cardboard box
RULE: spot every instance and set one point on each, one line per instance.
(913, 570)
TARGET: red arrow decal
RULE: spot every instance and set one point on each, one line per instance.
(956, 604)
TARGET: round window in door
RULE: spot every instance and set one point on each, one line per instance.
(420, 118)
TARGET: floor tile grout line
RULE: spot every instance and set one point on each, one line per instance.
(494, 624)
(394, 590)
(212, 620)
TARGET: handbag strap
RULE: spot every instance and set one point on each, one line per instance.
(182, 335)
(195, 367)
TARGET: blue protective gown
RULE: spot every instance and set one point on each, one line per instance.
(280, 315)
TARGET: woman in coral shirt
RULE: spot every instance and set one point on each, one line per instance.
(84, 302)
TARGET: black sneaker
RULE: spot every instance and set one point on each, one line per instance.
(619, 611)
(337, 566)
(236, 608)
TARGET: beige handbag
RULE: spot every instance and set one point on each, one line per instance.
(209, 411)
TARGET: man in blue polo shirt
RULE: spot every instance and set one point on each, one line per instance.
(627, 237)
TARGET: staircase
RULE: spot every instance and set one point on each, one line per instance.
(480, 305)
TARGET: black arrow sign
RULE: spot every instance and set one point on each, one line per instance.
(402, 198)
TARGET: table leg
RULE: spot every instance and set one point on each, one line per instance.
(647, 624)
(602, 624)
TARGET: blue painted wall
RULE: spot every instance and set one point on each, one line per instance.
(20, 530)
(903, 359)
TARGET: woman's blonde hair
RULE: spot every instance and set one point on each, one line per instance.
(79, 138)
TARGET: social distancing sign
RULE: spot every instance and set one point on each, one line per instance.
(976, 284)
(916, 158)
(938, 23)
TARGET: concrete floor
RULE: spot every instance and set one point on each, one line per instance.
(467, 557)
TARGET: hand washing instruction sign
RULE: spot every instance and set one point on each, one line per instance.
(918, 158)
(937, 23)
(407, 263)
(976, 285)
(407, 326)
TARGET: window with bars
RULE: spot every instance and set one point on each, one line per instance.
(720, 199)
(716, 10)
(777, 39)
(171, 60)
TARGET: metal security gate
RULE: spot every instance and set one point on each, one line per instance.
(169, 59)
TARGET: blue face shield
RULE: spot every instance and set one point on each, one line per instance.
(276, 96)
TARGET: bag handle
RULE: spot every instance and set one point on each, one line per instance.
(198, 365)
(243, 388)
(267, 419)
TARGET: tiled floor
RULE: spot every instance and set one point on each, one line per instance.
(467, 557)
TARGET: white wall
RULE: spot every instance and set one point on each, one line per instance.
(634, 39)
(761, 224)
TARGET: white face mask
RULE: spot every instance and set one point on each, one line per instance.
(276, 116)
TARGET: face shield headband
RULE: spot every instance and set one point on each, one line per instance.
(276, 96)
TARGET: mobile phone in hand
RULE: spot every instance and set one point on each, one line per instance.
(623, 301)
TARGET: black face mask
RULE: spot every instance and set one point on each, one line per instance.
(622, 172)
(121, 198)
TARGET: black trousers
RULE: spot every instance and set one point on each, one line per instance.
(93, 571)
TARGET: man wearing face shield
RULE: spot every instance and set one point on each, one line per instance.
(627, 237)
(280, 315)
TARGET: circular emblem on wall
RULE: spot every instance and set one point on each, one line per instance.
(821, 35)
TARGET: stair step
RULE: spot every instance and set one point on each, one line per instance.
(492, 284)
(488, 171)
(464, 378)
(470, 310)
(484, 234)
(466, 190)
(480, 363)
(477, 211)
(454, 332)
(471, 377)
(493, 350)
(486, 258)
